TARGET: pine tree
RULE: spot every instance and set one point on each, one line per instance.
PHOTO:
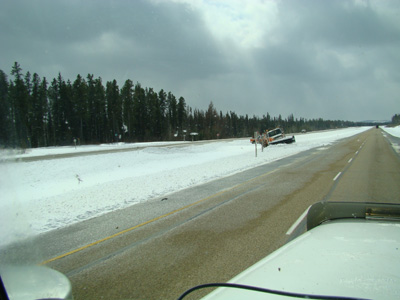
(61, 111)
(211, 122)
(44, 114)
(154, 115)
(172, 114)
(34, 115)
(18, 94)
(140, 112)
(79, 113)
(91, 109)
(198, 122)
(234, 124)
(127, 109)
(181, 115)
(37, 114)
(162, 121)
(101, 120)
(114, 110)
(5, 113)
(396, 119)
(96, 117)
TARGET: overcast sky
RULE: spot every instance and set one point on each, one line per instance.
(328, 59)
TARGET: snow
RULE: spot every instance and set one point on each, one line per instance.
(395, 131)
(83, 149)
(43, 195)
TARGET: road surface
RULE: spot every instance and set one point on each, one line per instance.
(210, 233)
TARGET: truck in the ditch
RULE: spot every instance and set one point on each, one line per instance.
(273, 137)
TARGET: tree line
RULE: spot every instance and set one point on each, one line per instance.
(396, 119)
(38, 113)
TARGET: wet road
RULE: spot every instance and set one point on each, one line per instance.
(212, 232)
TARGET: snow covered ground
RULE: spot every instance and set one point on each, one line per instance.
(395, 131)
(43, 195)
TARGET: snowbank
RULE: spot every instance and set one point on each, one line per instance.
(395, 131)
(43, 195)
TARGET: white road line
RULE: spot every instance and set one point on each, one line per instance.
(356, 152)
(298, 221)
(350, 160)
(337, 176)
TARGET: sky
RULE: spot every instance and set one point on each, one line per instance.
(336, 60)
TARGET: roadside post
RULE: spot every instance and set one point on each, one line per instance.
(193, 134)
(264, 140)
(255, 140)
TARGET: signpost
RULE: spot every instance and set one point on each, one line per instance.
(193, 134)
(255, 140)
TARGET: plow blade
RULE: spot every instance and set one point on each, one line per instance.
(285, 140)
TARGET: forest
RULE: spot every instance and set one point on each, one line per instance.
(35, 112)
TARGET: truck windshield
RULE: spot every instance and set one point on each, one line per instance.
(275, 132)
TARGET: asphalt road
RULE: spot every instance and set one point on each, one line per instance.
(210, 233)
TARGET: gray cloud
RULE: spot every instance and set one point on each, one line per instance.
(102, 35)
(334, 59)
(329, 59)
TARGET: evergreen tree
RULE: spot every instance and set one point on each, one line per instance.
(211, 121)
(5, 113)
(227, 129)
(101, 120)
(198, 122)
(53, 95)
(91, 109)
(140, 112)
(127, 109)
(97, 114)
(155, 116)
(79, 117)
(43, 114)
(61, 111)
(162, 120)
(172, 114)
(69, 125)
(234, 124)
(190, 120)
(181, 115)
(114, 110)
(19, 97)
(396, 119)
(36, 113)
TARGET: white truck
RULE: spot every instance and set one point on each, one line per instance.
(272, 137)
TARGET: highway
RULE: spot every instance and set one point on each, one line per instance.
(210, 233)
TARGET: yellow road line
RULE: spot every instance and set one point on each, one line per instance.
(131, 228)
(149, 221)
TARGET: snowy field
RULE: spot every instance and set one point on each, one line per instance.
(43, 195)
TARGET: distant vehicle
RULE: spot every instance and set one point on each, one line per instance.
(273, 137)
(349, 251)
